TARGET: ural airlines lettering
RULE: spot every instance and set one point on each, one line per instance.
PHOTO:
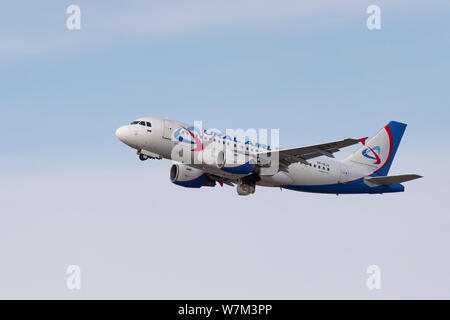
(195, 138)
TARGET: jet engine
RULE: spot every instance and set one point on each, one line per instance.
(229, 161)
(209, 156)
(189, 177)
(212, 157)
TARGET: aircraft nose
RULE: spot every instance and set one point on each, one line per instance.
(121, 133)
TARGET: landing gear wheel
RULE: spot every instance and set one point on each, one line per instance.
(143, 157)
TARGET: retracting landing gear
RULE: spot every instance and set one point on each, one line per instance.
(144, 155)
(247, 185)
(244, 189)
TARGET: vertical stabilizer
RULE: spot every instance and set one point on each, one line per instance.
(376, 154)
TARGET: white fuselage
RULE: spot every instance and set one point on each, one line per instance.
(159, 142)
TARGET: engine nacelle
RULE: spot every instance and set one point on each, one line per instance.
(225, 159)
(211, 157)
(228, 161)
(190, 177)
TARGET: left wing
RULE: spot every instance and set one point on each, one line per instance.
(289, 156)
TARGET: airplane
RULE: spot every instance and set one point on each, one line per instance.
(207, 158)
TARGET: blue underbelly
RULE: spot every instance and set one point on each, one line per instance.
(353, 187)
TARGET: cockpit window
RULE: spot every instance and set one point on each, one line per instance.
(135, 122)
(149, 124)
(142, 123)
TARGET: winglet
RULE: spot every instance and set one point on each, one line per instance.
(363, 140)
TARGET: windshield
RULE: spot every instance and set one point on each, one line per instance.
(142, 123)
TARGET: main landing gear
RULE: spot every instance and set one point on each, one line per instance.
(143, 157)
(247, 185)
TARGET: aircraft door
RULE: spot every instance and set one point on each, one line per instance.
(167, 130)
(343, 176)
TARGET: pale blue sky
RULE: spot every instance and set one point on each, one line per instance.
(73, 192)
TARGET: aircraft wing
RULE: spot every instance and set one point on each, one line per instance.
(390, 180)
(289, 156)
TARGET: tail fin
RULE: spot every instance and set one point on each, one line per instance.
(376, 155)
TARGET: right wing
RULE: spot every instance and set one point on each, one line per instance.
(302, 154)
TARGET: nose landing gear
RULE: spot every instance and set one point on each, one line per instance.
(143, 157)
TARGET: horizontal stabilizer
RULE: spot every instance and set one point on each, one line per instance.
(390, 180)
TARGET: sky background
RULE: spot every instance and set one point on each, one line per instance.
(71, 193)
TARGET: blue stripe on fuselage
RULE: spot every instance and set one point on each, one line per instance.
(353, 187)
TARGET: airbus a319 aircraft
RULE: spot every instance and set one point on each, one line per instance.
(207, 157)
